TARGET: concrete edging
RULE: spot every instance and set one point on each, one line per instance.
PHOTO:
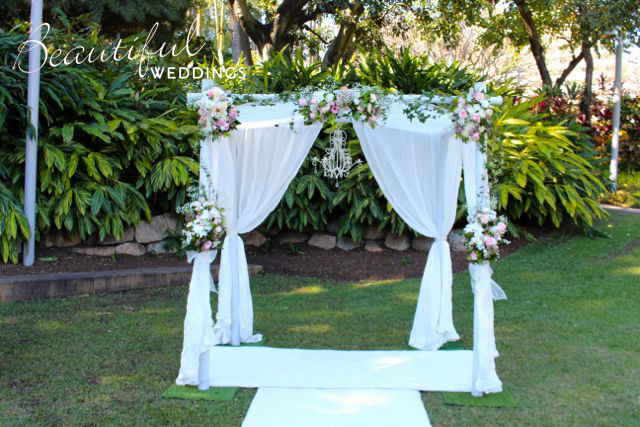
(57, 285)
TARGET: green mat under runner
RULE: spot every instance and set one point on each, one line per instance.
(214, 393)
(192, 392)
(496, 400)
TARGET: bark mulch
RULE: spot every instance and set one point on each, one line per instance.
(296, 260)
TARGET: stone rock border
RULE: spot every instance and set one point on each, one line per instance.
(150, 237)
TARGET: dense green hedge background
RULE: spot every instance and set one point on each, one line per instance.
(115, 148)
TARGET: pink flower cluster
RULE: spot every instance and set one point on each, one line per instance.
(217, 114)
(483, 236)
(471, 116)
(327, 106)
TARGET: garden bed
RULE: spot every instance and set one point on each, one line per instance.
(297, 260)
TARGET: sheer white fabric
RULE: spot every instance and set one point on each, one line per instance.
(250, 171)
(485, 290)
(419, 174)
(198, 323)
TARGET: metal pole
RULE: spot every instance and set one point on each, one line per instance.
(615, 131)
(31, 155)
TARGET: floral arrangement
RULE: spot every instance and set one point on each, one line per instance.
(362, 103)
(203, 223)
(472, 115)
(483, 236)
(217, 114)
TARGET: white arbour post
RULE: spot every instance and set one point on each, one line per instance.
(485, 290)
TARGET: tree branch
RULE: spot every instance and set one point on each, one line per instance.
(308, 28)
(534, 40)
(574, 62)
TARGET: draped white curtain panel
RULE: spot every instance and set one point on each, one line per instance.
(418, 167)
(419, 174)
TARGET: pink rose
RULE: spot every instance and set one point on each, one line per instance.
(479, 96)
(233, 113)
(202, 120)
(312, 115)
(475, 136)
(501, 227)
(476, 118)
(473, 256)
(334, 108)
(490, 241)
(302, 102)
(463, 114)
(484, 218)
(207, 245)
(314, 101)
(210, 93)
(220, 123)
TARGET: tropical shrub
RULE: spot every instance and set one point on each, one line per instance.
(113, 148)
(537, 170)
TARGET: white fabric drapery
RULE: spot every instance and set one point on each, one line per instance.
(198, 323)
(419, 174)
(250, 171)
(485, 290)
(417, 166)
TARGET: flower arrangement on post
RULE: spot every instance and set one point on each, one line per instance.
(361, 103)
(471, 116)
(217, 113)
(204, 228)
(483, 236)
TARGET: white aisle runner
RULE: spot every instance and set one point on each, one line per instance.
(293, 368)
(290, 407)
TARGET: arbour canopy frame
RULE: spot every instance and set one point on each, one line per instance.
(417, 165)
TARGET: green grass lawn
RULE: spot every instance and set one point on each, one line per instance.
(569, 338)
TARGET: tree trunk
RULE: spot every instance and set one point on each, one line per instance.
(239, 40)
(534, 41)
(585, 106)
(342, 46)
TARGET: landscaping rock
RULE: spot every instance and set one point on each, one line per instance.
(332, 227)
(172, 220)
(421, 243)
(293, 237)
(62, 241)
(322, 241)
(131, 248)
(456, 241)
(158, 248)
(96, 250)
(128, 236)
(372, 233)
(269, 231)
(397, 243)
(154, 231)
(373, 246)
(347, 243)
(47, 241)
(254, 238)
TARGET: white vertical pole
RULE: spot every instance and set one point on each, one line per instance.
(31, 155)
(615, 131)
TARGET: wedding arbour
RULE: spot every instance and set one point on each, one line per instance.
(417, 147)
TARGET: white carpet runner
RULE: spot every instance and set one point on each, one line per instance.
(313, 369)
(288, 407)
(339, 388)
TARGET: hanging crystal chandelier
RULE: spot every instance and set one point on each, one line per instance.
(337, 162)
